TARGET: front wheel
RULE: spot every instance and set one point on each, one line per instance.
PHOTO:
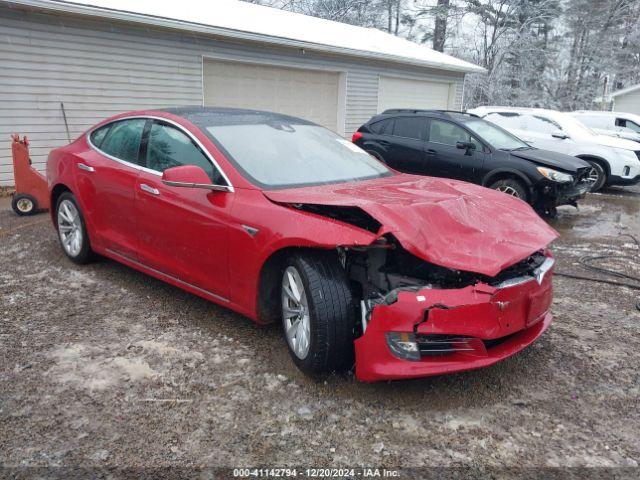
(511, 187)
(597, 176)
(318, 315)
(72, 230)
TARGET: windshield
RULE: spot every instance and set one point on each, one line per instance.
(278, 154)
(495, 136)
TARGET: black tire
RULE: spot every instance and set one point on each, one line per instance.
(331, 313)
(24, 204)
(511, 186)
(85, 254)
(601, 173)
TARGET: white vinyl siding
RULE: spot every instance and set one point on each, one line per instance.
(98, 68)
(628, 102)
(310, 94)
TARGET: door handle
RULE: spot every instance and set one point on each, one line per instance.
(149, 189)
(384, 143)
(86, 168)
(430, 151)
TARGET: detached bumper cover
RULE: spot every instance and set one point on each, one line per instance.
(498, 322)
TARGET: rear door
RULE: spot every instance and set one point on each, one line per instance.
(106, 177)
(182, 231)
(443, 156)
(406, 147)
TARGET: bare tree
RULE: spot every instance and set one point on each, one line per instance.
(440, 30)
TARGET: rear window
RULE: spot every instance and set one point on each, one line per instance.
(383, 127)
(123, 139)
(97, 136)
(409, 127)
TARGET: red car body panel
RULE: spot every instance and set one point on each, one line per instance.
(426, 213)
(198, 240)
(518, 315)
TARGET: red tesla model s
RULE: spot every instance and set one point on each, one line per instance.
(283, 220)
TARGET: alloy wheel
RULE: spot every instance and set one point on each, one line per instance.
(295, 313)
(70, 227)
(596, 177)
(508, 190)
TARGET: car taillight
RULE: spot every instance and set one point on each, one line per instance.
(356, 136)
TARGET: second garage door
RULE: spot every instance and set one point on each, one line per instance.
(405, 93)
(309, 94)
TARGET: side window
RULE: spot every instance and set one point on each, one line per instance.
(409, 127)
(97, 136)
(505, 119)
(383, 127)
(540, 124)
(169, 147)
(450, 134)
(123, 139)
(623, 122)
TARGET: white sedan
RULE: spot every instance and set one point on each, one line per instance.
(614, 161)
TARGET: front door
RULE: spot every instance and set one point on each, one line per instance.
(106, 177)
(444, 156)
(544, 133)
(182, 231)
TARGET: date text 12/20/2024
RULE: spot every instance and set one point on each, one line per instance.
(363, 472)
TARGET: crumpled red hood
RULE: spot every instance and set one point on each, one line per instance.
(447, 222)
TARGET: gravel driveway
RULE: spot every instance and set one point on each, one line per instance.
(103, 366)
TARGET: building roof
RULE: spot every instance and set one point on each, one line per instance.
(624, 91)
(246, 21)
(609, 97)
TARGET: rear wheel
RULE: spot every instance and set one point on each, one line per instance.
(24, 204)
(597, 176)
(72, 230)
(318, 316)
(512, 187)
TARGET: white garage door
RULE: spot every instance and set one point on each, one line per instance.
(309, 94)
(404, 93)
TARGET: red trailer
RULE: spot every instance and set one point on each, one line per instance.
(32, 193)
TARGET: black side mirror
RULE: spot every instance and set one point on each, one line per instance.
(468, 146)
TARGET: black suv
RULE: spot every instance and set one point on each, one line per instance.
(465, 147)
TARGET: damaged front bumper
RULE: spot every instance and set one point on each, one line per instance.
(569, 195)
(437, 331)
(555, 195)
